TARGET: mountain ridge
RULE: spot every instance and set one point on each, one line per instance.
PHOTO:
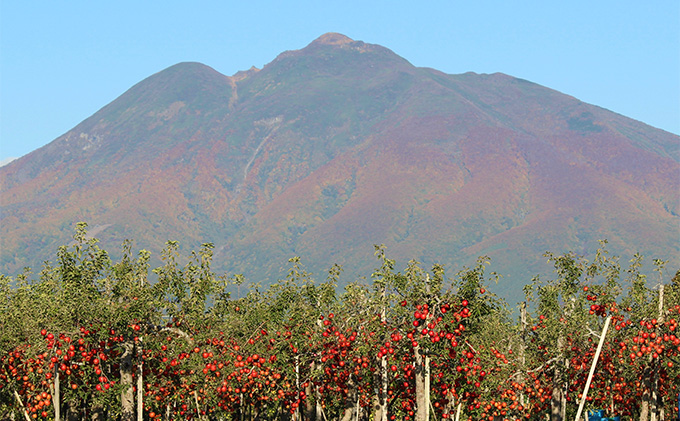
(340, 145)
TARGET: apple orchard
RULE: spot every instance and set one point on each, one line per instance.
(89, 338)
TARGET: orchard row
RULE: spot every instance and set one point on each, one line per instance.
(95, 339)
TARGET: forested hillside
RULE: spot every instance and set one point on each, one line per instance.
(340, 145)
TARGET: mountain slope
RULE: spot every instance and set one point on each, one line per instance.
(338, 146)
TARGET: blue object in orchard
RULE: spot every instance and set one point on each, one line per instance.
(596, 415)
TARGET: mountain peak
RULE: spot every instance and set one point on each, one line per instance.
(332, 38)
(341, 145)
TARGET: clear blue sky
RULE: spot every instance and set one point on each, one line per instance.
(60, 61)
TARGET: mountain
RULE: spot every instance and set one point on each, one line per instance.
(341, 145)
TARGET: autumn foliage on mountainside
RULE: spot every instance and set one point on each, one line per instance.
(88, 337)
(332, 148)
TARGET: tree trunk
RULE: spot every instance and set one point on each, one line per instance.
(240, 409)
(656, 398)
(558, 399)
(296, 415)
(644, 406)
(380, 397)
(310, 410)
(522, 350)
(56, 395)
(284, 414)
(422, 385)
(319, 416)
(451, 402)
(380, 394)
(73, 411)
(653, 407)
(350, 411)
(422, 371)
(97, 413)
(565, 389)
(460, 406)
(140, 382)
(428, 379)
(649, 407)
(127, 398)
(357, 410)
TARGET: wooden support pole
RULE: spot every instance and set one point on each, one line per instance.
(21, 405)
(198, 407)
(592, 368)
